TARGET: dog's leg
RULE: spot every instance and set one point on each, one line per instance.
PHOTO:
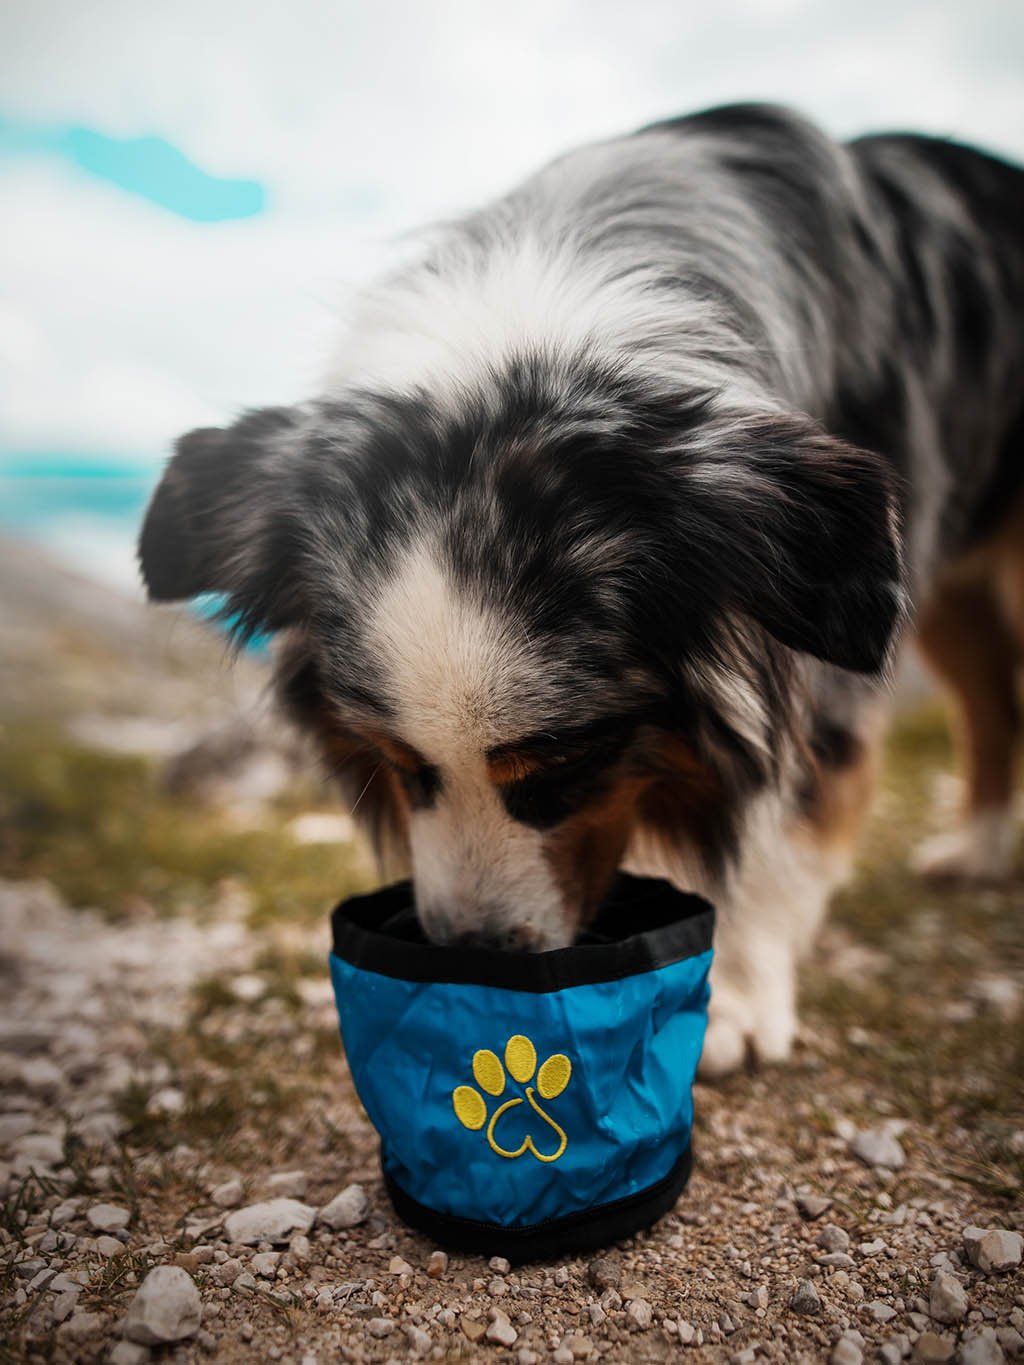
(967, 636)
(774, 906)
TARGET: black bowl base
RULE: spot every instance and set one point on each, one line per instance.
(555, 1237)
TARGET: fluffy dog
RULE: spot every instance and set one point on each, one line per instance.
(595, 548)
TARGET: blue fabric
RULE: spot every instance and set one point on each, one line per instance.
(625, 1113)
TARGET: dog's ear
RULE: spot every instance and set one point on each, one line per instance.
(801, 532)
(220, 520)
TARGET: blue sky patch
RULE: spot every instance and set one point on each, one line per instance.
(150, 167)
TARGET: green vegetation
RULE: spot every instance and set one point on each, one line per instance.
(98, 826)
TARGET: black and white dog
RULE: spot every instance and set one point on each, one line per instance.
(595, 547)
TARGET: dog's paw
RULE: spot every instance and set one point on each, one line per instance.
(742, 1028)
(980, 851)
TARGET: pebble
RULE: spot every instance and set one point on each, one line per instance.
(380, 1327)
(265, 1263)
(930, 1349)
(812, 1206)
(437, 1266)
(398, 1266)
(881, 1312)
(993, 1250)
(527, 1357)
(980, 1346)
(604, 1273)
(472, 1328)
(877, 1147)
(947, 1298)
(289, 1184)
(640, 1314)
(228, 1195)
(418, 1339)
(107, 1218)
(81, 1326)
(499, 1265)
(167, 1307)
(846, 1352)
(272, 1221)
(805, 1299)
(128, 1353)
(346, 1210)
(833, 1238)
(107, 1246)
(501, 1332)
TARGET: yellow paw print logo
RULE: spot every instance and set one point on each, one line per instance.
(489, 1074)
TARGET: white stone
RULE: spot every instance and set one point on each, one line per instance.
(128, 1353)
(993, 1250)
(947, 1298)
(846, 1352)
(290, 1184)
(108, 1217)
(640, 1314)
(265, 1263)
(346, 1210)
(501, 1332)
(167, 1307)
(878, 1147)
(227, 1195)
(980, 1346)
(272, 1221)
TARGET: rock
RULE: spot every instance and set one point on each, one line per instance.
(472, 1328)
(993, 1250)
(812, 1206)
(265, 1263)
(758, 1298)
(563, 1356)
(890, 1354)
(833, 1238)
(875, 1248)
(878, 1147)
(108, 1218)
(128, 1353)
(418, 1339)
(837, 1260)
(947, 1298)
(846, 1352)
(227, 1272)
(501, 1332)
(108, 1246)
(289, 1184)
(437, 1266)
(604, 1273)
(399, 1266)
(380, 1327)
(640, 1314)
(881, 1312)
(805, 1299)
(81, 1326)
(930, 1349)
(228, 1195)
(167, 1307)
(272, 1221)
(346, 1210)
(980, 1346)
(499, 1265)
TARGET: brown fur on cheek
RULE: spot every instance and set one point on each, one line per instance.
(584, 852)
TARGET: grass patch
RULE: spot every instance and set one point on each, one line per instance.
(98, 826)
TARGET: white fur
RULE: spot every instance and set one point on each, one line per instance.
(462, 679)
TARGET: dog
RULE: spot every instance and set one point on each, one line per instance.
(599, 542)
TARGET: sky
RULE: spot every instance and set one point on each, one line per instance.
(192, 194)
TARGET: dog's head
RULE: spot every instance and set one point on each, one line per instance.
(526, 628)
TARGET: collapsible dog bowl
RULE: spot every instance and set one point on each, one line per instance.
(528, 1104)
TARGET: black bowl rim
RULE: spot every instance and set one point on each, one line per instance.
(658, 926)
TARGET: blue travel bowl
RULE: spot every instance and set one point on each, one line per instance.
(528, 1105)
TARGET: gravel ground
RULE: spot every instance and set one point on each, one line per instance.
(165, 1077)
